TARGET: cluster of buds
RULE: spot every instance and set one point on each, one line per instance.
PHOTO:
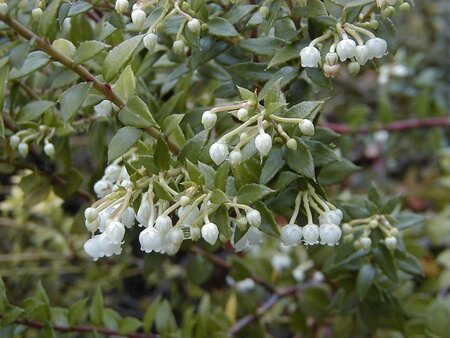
(327, 232)
(113, 177)
(257, 126)
(388, 7)
(363, 228)
(348, 44)
(150, 40)
(21, 140)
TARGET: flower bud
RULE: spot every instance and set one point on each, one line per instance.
(346, 228)
(210, 233)
(122, 6)
(254, 236)
(332, 216)
(346, 49)
(329, 234)
(36, 13)
(394, 232)
(194, 26)
(91, 214)
(263, 143)
(362, 54)
(405, 8)
(184, 200)
(163, 224)
(306, 127)
(254, 218)
(65, 47)
(195, 233)
(311, 234)
(218, 152)
(93, 225)
(310, 57)
(115, 231)
(331, 58)
(365, 242)
(242, 114)
(299, 274)
(374, 24)
(138, 17)
(291, 144)
(331, 71)
(381, 3)
(390, 242)
(291, 234)
(14, 141)
(108, 247)
(128, 217)
(150, 41)
(264, 10)
(178, 47)
(377, 48)
(49, 150)
(102, 188)
(209, 119)
(235, 157)
(23, 149)
(242, 223)
(243, 136)
(353, 68)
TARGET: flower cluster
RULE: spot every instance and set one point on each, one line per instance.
(23, 138)
(362, 229)
(257, 127)
(327, 232)
(348, 44)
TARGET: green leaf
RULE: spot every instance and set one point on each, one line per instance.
(222, 220)
(162, 154)
(221, 27)
(261, 46)
(47, 25)
(124, 139)
(165, 320)
(208, 173)
(252, 192)
(125, 85)
(136, 114)
(72, 100)
(87, 50)
(286, 54)
(34, 110)
(195, 175)
(96, 310)
(77, 311)
(34, 61)
(161, 192)
(219, 197)
(366, 276)
(385, 260)
(222, 175)
(119, 56)
(150, 314)
(336, 172)
(268, 223)
(129, 325)
(300, 160)
(3, 81)
(305, 110)
(272, 166)
(171, 123)
(322, 154)
(79, 7)
(194, 147)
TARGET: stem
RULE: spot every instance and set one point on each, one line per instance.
(353, 33)
(238, 129)
(286, 119)
(362, 30)
(307, 208)
(227, 108)
(317, 198)
(320, 39)
(298, 200)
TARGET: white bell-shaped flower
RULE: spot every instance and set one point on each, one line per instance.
(210, 233)
(310, 57)
(366, 243)
(150, 41)
(218, 152)
(91, 214)
(49, 150)
(195, 233)
(235, 157)
(209, 119)
(23, 149)
(93, 248)
(331, 216)
(175, 235)
(291, 234)
(346, 49)
(311, 234)
(329, 234)
(93, 225)
(128, 217)
(102, 188)
(253, 218)
(138, 17)
(390, 242)
(143, 213)
(122, 6)
(255, 236)
(263, 143)
(306, 127)
(108, 247)
(191, 216)
(194, 26)
(14, 141)
(163, 224)
(150, 240)
(362, 54)
(242, 114)
(115, 231)
(377, 48)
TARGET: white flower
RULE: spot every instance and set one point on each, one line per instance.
(195, 233)
(242, 114)
(36, 13)
(108, 247)
(366, 243)
(245, 285)
(311, 234)
(92, 247)
(310, 57)
(329, 234)
(163, 224)
(138, 17)
(346, 49)
(23, 149)
(254, 218)
(143, 213)
(390, 242)
(150, 240)
(175, 235)
(331, 216)
(331, 58)
(115, 231)
(306, 127)
(184, 200)
(14, 141)
(218, 152)
(235, 157)
(122, 6)
(209, 119)
(128, 217)
(194, 26)
(150, 41)
(291, 234)
(377, 48)
(93, 225)
(102, 188)
(112, 172)
(299, 274)
(254, 236)
(192, 214)
(281, 261)
(49, 150)
(103, 109)
(263, 143)
(178, 47)
(91, 214)
(210, 233)
(362, 54)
